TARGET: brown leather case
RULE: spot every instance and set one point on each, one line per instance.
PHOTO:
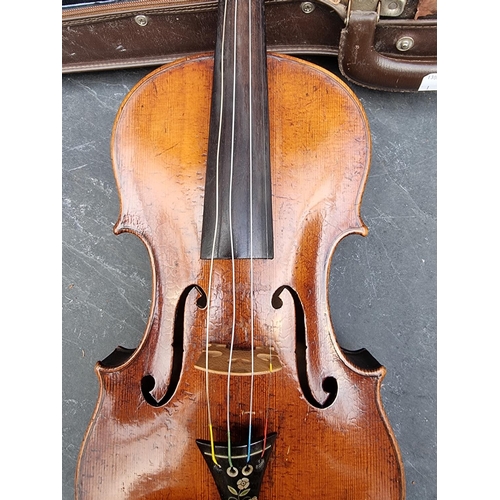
(381, 44)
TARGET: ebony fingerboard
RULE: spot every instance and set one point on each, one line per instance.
(238, 182)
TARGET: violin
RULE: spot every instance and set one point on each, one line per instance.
(240, 171)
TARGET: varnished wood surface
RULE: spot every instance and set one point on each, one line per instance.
(351, 440)
(382, 287)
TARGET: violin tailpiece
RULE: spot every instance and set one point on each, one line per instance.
(238, 477)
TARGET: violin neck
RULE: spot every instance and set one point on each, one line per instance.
(237, 219)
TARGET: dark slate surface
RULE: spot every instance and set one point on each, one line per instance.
(382, 287)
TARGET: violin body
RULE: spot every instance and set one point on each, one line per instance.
(333, 439)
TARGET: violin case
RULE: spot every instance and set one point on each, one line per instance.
(380, 44)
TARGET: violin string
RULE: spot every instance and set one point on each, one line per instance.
(230, 221)
(207, 345)
(216, 228)
(270, 338)
(252, 305)
(269, 379)
(268, 406)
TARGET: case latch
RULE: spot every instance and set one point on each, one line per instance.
(386, 8)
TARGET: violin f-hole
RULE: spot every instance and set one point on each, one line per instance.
(329, 384)
(148, 381)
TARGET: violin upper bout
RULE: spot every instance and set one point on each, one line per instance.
(320, 147)
(158, 151)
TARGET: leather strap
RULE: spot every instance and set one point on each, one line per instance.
(361, 63)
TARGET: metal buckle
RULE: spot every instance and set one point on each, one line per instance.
(385, 8)
(364, 5)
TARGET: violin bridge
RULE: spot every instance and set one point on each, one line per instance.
(265, 361)
(238, 477)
